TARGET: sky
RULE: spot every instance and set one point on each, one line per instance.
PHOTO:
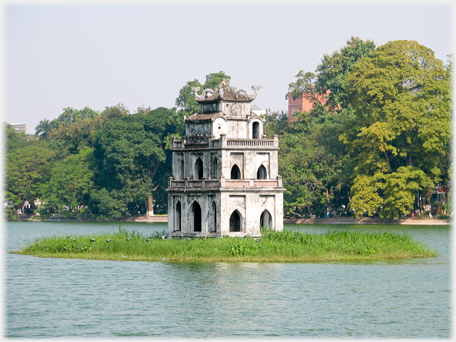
(57, 56)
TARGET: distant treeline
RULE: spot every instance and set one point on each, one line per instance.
(377, 145)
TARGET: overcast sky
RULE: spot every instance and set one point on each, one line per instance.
(59, 56)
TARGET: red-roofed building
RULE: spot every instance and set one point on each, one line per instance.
(300, 104)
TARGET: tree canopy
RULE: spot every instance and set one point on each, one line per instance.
(186, 102)
(131, 157)
(27, 170)
(331, 74)
(401, 99)
(393, 123)
(76, 129)
(71, 180)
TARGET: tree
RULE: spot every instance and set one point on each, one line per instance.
(27, 169)
(401, 100)
(404, 88)
(400, 190)
(71, 180)
(131, 156)
(366, 197)
(114, 112)
(14, 139)
(213, 80)
(304, 87)
(70, 115)
(331, 75)
(333, 69)
(43, 129)
(311, 161)
(77, 129)
(186, 102)
(276, 123)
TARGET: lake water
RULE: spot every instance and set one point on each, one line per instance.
(47, 298)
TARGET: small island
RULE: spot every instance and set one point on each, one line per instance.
(273, 246)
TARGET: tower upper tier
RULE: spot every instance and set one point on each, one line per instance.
(225, 110)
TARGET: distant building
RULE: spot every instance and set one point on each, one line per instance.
(256, 110)
(18, 126)
(300, 104)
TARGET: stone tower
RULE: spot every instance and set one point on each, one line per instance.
(225, 177)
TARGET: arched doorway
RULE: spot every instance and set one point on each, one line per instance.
(196, 210)
(256, 130)
(235, 172)
(199, 169)
(265, 220)
(177, 222)
(235, 222)
(261, 173)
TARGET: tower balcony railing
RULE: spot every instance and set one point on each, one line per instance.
(201, 141)
(224, 183)
(250, 142)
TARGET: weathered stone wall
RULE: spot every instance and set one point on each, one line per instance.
(219, 126)
(251, 205)
(198, 128)
(249, 161)
(237, 129)
(207, 201)
(236, 109)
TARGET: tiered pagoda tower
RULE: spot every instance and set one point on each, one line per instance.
(225, 177)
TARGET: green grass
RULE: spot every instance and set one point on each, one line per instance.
(286, 246)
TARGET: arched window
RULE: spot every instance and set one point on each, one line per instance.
(265, 220)
(235, 172)
(199, 169)
(177, 222)
(235, 222)
(256, 130)
(213, 218)
(196, 211)
(181, 169)
(261, 173)
(214, 168)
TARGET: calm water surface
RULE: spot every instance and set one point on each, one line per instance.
(90, 298)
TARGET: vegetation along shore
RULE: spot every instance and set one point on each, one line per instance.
(285, 246)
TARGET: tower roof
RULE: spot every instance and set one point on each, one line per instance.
(205, 117)
(225, 93)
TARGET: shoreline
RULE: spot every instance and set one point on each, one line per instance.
(303, 221)
(369, 220)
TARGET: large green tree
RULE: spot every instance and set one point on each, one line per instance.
(27, 170)
(132, 160)
(71, 180)
(76, 129)
(401, 129)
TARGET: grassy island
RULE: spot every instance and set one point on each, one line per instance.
(286, 246)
